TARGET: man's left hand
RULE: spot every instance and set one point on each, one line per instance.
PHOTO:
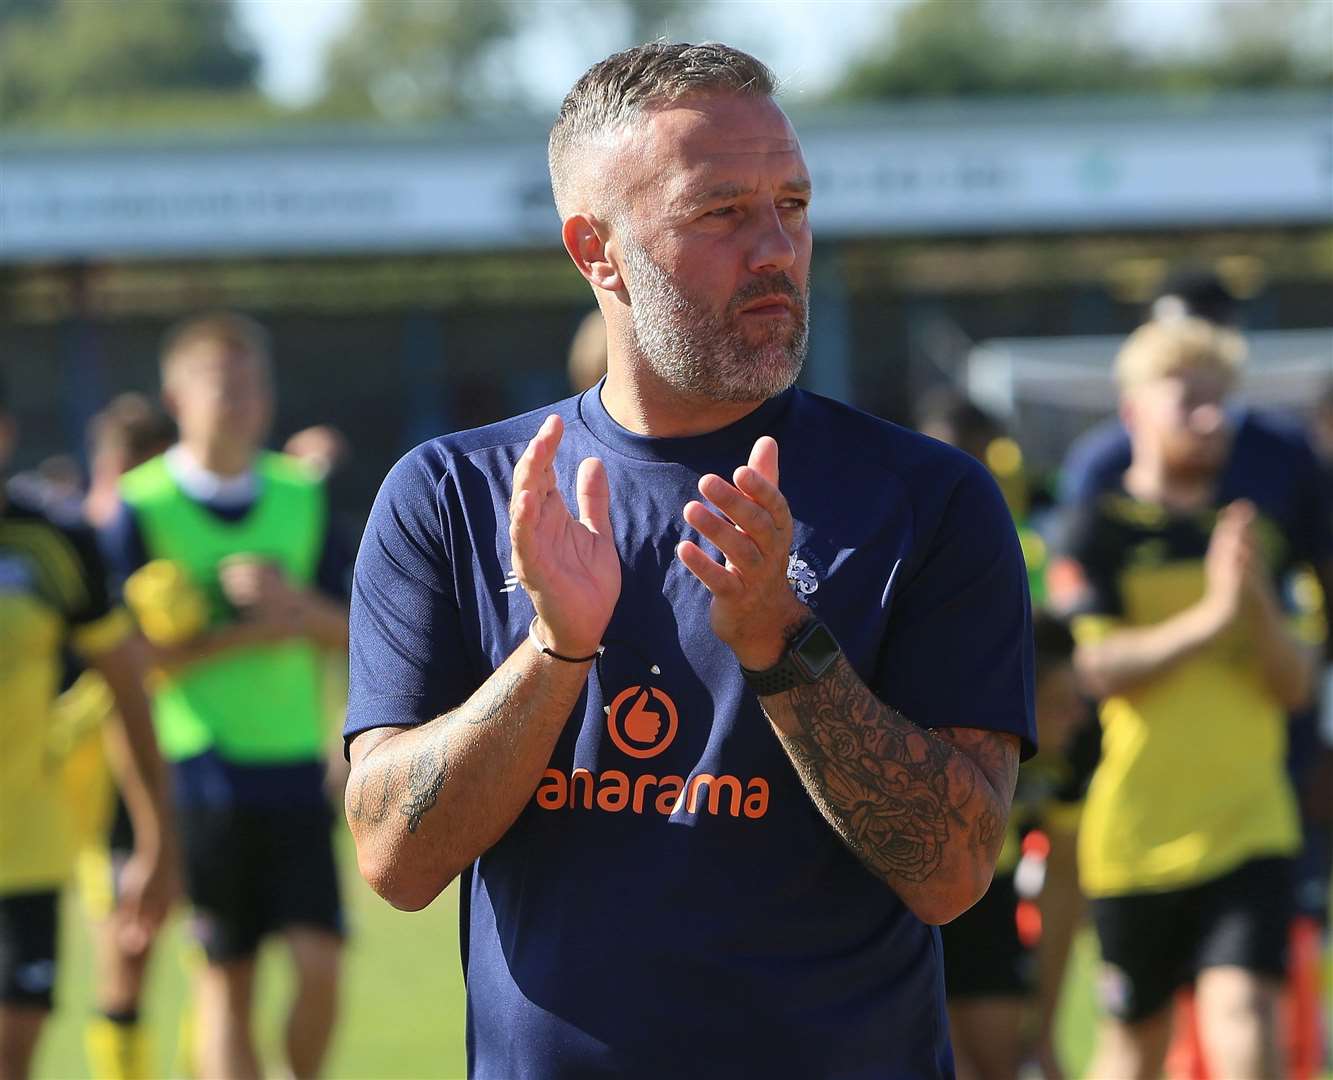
(754, 610)
(148, 888)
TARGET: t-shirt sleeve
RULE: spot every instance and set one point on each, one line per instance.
(1316, 518)
(958, 652)
(122, 548)
(1093, 462)
(1085, 564)
(1084, 574)
(407, 662)
(95, 625)
(333, 576)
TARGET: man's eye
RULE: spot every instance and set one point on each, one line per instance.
(721, 211)
(797, 205)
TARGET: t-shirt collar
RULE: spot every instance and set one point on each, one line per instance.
(699, 451)
(209, 487)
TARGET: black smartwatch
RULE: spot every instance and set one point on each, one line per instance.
(811, 652)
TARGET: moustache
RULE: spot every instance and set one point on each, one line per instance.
(778, 284)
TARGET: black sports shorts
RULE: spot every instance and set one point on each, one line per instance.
(28, 948)
(983, 956)
(253, 871)
(1154, 943)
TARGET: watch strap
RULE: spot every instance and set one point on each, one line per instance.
(781, 677)
(788, 673)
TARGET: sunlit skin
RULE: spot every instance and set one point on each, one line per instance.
(717, 192)
(1179, 428)
(222, 399)
(692, 227)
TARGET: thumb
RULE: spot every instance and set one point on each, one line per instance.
(764, 458)
(594, 496)
(1244, 512)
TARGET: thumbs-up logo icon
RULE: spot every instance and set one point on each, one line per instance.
(642, 721)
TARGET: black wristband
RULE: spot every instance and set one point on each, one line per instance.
(542, 647)
(775, 680)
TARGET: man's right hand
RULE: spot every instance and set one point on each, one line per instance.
(1232, 565)
(570, 568)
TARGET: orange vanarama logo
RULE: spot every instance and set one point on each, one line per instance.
(642, 721)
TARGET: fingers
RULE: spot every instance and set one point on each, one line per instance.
(1236, 528)
(764, 458)
(132, 930)
(524, 512)
(533, 471)
(739, 547)
(1238, 516)
(756, 485)
(719, 580)
(757, 523)
(534, 480)
(752, 503)
(594, 496)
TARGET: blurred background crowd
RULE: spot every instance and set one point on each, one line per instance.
(1005, 190)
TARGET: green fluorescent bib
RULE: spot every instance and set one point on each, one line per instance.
(252, 705)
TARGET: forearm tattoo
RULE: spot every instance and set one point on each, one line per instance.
(895, 793)
(417, 788)
(371, 806)
(425, 777)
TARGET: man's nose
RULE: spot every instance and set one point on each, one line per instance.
(1206, 419)
(774, 247)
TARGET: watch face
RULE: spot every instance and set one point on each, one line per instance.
(816, 650)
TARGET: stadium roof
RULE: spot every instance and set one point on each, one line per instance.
(931, 168)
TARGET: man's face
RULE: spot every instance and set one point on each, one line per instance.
(1182, 417)
(715, 247)
(218, 392)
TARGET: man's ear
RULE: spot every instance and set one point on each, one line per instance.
(1127, 412)
(169, 403)
(588, 242)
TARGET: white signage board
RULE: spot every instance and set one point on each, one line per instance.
(980, 169)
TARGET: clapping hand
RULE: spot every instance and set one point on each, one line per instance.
(567, 565)
(1233, 566)
(753, 609)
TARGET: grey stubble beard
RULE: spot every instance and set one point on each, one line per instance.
(706, 355)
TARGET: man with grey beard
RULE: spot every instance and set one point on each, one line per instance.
(710, 356)
(712, 756)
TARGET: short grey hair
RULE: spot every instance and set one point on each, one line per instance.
(612, 92)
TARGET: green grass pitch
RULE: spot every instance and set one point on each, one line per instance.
(402, 1003)
(402, 999)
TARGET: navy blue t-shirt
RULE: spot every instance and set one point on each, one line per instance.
(670, 902)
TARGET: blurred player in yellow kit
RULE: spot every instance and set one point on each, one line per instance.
(53, 594)
(126, 433)
(1190, 824)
